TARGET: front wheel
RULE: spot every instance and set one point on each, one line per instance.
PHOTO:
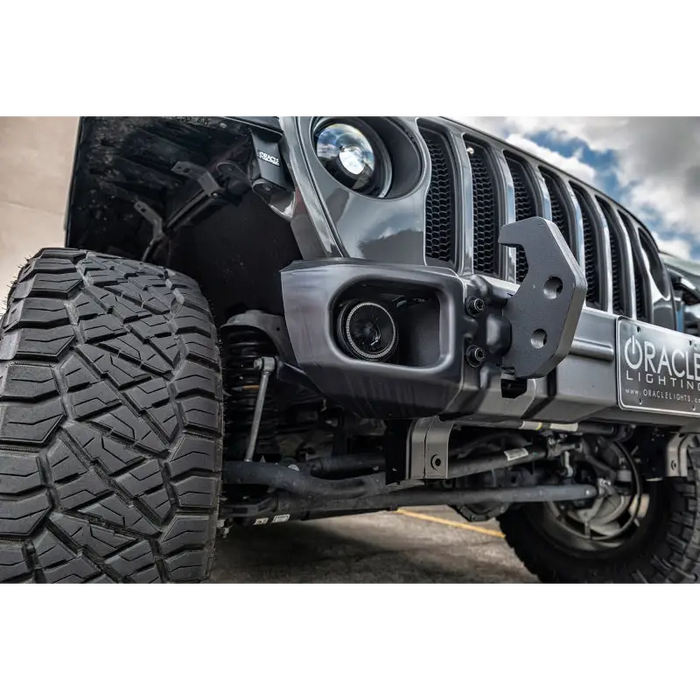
(651, 537)
(110, 423)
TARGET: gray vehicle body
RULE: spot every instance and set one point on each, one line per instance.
(262, 226)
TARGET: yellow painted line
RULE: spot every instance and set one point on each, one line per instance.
(450, 523)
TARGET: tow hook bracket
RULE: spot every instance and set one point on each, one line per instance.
(427, 449)
(545, 310)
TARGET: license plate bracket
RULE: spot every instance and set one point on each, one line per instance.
(658, 370)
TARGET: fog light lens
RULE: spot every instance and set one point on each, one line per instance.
(367, 330)
(347, 154)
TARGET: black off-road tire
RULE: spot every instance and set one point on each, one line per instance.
(667, 549)
(110, 423)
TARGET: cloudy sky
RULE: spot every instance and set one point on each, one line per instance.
(651, 165)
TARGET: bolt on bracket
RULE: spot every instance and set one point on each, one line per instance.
(428, 448)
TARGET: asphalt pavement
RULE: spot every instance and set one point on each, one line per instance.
(423, 545)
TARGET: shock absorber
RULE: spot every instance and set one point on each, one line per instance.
(241, 347)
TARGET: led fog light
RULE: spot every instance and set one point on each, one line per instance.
(367, 330)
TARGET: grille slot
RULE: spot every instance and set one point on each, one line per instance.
(485, 210)
(590, 248)
(615, 256)
(639, 295)
(559, 210)
(440, 201)
(640, 300)
(654, 264)
(525, 205)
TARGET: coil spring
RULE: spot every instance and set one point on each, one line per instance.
(241, 346)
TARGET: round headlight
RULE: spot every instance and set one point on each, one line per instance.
(367, 331)
(351, 157)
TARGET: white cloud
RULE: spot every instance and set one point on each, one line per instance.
(600, 133)
(571, 164)
(678, 247)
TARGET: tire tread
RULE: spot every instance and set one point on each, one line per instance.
(110, 423)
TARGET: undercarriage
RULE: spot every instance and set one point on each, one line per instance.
(593, 478)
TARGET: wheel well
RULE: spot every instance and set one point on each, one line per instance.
(236, 256)
(232, 244)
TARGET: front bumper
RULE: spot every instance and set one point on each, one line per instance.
(435, 378)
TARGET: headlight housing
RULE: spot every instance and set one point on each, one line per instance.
(354, 155)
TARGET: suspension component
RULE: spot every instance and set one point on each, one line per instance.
(289, 503)
(241, 347)
(266, 365)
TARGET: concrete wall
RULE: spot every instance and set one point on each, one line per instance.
(36, 157)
